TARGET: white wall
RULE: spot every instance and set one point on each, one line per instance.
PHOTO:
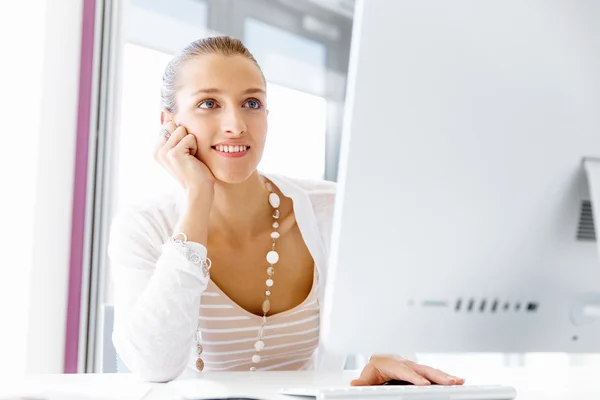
(40, 74)
(21, 75)
(53, 206)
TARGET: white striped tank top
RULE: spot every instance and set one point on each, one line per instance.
(228, 334)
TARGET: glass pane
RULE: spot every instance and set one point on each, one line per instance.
(191, 11)
(296, 139)
(165, 26)
(298, 110)
(138, 176)
(284, 56)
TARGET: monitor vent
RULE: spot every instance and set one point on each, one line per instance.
(585, 230)
(493, 306)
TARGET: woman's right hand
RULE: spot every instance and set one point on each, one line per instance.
(177, 154)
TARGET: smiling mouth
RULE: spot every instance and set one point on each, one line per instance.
(231, 149)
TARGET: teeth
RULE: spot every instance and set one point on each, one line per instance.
(231, 149)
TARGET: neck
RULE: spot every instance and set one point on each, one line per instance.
(240, 210)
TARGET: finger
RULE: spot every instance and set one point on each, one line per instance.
(397, 368)
(160, 142)
(177, 136)
(369, 376)
(435, 375)
(170, 127)
(187, 145)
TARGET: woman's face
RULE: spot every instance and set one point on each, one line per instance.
(221, 100)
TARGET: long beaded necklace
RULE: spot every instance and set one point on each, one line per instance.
(272, 259)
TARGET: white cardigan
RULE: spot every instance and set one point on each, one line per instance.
(157, 290)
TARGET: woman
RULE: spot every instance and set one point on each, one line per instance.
(254, 304)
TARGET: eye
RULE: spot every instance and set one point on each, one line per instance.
(208, 103)
(253, 103)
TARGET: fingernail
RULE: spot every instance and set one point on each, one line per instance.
(425, 382)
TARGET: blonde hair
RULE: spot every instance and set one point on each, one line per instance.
(223, 45)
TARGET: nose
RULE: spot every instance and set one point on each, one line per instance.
(233, 123)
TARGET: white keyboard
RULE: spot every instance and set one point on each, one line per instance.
(433, 392)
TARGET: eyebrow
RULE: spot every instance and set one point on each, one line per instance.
(214, 90)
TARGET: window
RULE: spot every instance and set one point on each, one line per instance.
(285, 56)
(298, 117)
(296, 139)
(139, 177)
(305, 62)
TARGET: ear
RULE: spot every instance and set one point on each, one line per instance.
(267, 112)
(165, 116)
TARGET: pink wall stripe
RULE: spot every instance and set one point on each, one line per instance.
(79, 186)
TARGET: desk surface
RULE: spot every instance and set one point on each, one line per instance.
(569, 383)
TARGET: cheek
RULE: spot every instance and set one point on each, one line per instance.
(201, 127)
(258, 125)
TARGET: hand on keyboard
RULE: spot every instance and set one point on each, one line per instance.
(384, 368)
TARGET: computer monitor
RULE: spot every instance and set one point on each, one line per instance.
(463, 217)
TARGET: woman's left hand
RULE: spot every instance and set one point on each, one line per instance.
(383, 368)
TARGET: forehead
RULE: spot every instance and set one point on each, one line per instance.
(226, 73)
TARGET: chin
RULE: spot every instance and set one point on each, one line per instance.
(231, 170)
(233, 176)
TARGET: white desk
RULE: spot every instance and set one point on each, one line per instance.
(572, 384)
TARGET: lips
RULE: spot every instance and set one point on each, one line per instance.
(231, 151)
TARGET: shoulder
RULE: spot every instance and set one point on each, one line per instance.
(320, 207)
(314, 186)
(321, 194)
